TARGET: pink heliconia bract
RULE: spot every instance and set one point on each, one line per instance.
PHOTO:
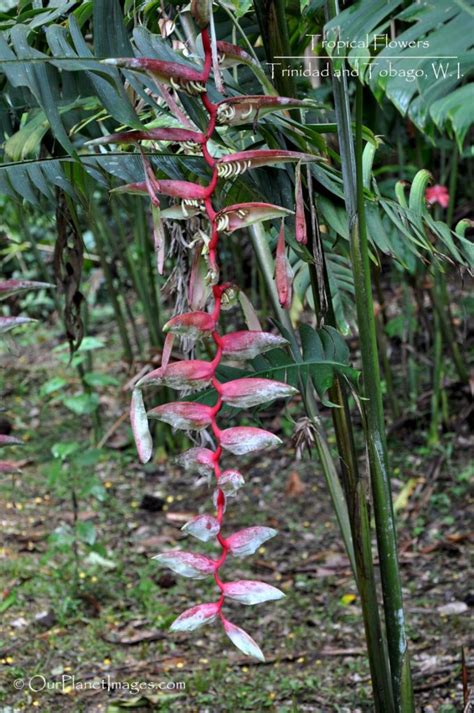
(201, 460)
(247, 591)
(230, 54)
(244, 109)
(192, 374)
(243, 641)
(8, 323)
(187, 564)
(175, 189)
(248, 344)
(246, 393)
(129, 137)
(207, 297)
(237, 163)
(179, 76)
(8, 466)
(140, 429)
(300, 221)
(283, 272)
(9, 440)
(241, 440)
(191, 324)
(184, 415)
(196, 616)
(246, 542)
(13, 287)
(241, 215)
(230, 482)
(203, 527)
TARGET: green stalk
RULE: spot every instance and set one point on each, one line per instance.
(352, 173)
(356, 496)
(377, 447)
(266, 266)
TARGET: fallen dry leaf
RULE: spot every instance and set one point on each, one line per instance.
(294, 486)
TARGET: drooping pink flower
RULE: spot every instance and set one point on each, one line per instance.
(437, 194)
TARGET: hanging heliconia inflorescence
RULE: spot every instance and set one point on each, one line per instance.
(200, 324)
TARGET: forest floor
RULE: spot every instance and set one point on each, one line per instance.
(85, 628)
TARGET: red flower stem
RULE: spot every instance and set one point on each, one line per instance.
(217, 291)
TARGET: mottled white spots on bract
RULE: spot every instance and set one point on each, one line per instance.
(187, 564)
(249, 392)
(246, 439)
(243, 641)
(200, 460)
(196, 616)
(247, 591)
(202, 527)
(140, 428)
(246, 542)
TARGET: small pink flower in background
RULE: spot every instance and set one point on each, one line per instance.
(438, 194)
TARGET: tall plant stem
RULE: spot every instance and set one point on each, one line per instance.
(352, 173)
(355, 492)
(375, 431)
(266, 266)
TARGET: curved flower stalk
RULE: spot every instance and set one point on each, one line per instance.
(199, 324)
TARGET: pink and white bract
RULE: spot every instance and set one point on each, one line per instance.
(207, 296)
(247, 591)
